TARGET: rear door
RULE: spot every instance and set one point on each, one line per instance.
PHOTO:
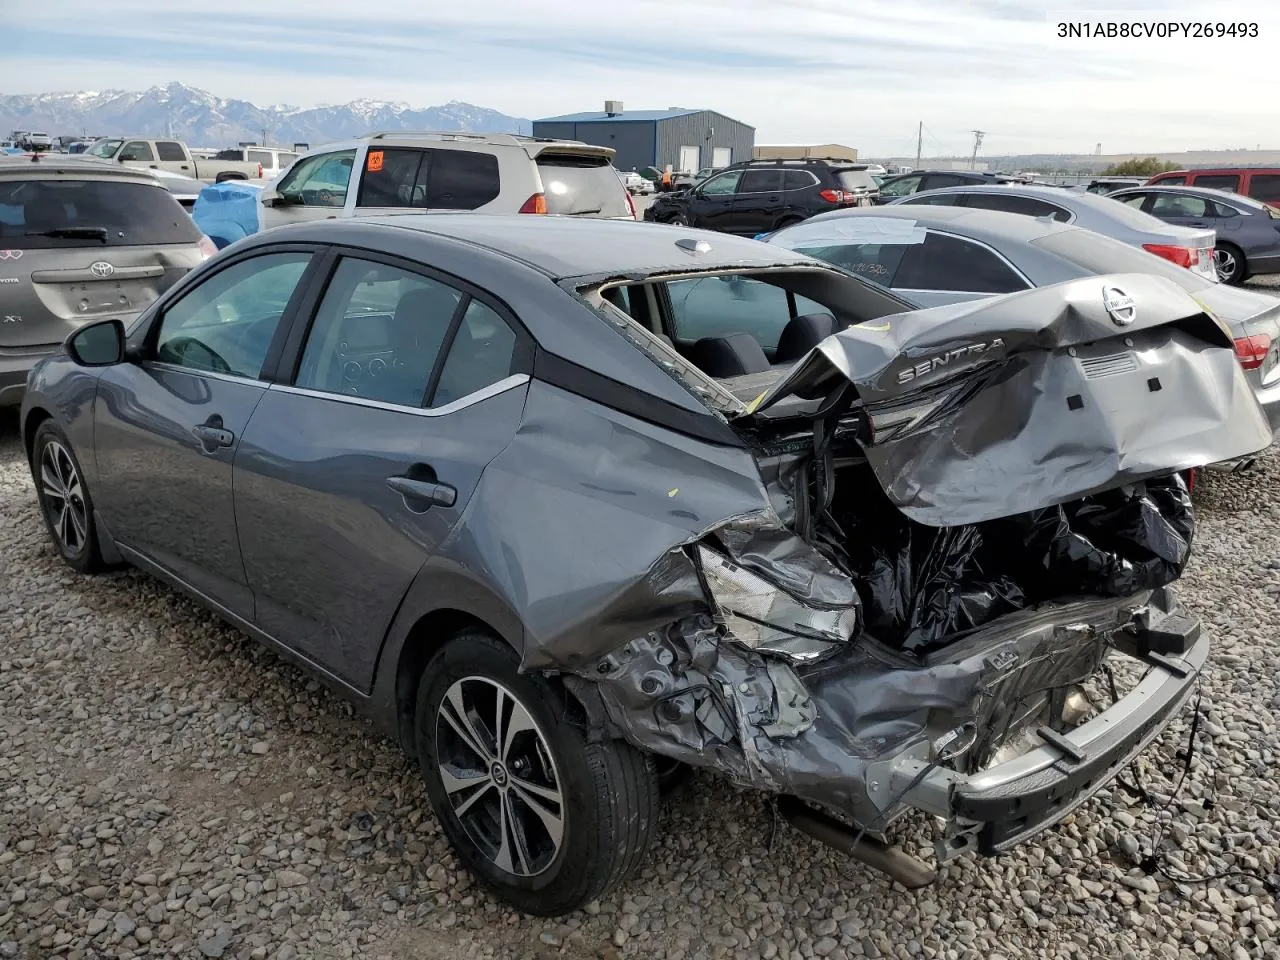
(1265, 187)
(406, 385)
(81, 250)
(172, 156)
(168, 427)
(315, 188)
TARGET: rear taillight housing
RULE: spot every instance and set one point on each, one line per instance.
(1183, 256)
(535, 204)
(838, 196)
(207, 247)
(1252, 351)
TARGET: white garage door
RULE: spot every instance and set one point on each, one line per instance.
(721, 157)
(689, 157)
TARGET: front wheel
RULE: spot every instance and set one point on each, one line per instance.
(678, 220)
(1229, 264)
(64, 499)
(543, 817)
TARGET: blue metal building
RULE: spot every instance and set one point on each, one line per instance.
(685, 139)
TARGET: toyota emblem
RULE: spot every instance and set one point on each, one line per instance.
(10, 254)
(101, 269)
(1119, 306)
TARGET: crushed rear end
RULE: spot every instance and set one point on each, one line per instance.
(971, 510)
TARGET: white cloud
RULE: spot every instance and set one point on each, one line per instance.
(797, 69)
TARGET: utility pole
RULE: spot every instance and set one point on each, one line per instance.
(977, 142)
(919, 142)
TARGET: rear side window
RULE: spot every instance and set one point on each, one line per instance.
(463, 180)
(760, 181)
(482, 353)
(1012, 203)
(260, 156)
(1265, 187)
(949, 263)
(170, 151)
(797, 179)
(935, 181)
(53, 214)
(1165, 205)
(582, 186)
(1216, 181)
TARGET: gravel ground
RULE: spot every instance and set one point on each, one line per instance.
(169, 788)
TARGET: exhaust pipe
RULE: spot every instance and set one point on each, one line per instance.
(912, 872)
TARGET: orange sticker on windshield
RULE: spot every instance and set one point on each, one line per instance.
(374, 163)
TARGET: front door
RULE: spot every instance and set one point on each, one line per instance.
(167, 428)
(711, 205)
(349, 478)
(314, 189)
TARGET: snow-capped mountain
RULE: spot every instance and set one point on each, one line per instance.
(202, 119)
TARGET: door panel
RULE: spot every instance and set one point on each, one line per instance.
(165, 491)
(712, 204)
(758, 203)
(330, 546)
(167, 429)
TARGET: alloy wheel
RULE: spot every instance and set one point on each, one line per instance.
(499, 776)
(1224, 262)
(63, 496)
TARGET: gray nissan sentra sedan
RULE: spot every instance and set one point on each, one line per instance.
(513, 487)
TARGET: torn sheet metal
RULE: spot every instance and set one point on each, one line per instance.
(582, 524)
(687, 693)
(983, 410)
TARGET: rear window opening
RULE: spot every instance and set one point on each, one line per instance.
(54, 214)
(579, 185)
(854, 180)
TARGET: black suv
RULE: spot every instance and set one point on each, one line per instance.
(906, 184)
(759, 196)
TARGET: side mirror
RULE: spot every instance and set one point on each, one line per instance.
(98, 344)
(269, 198)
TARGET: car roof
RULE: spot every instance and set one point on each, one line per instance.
(1049, 194)
(1265, 168)
(1221, 196)
(533, 146)
(49, 166)
(570, 247)
(991, 226)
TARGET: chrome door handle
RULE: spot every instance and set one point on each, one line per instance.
(435, 494)
(213, 436)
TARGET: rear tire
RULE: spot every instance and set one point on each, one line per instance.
(540, 815)
(1229, 263)
(64, 499)
(678, 220)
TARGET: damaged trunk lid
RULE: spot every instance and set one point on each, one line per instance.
(978, 411)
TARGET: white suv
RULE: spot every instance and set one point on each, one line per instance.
(398, 172)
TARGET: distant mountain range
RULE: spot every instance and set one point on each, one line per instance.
(204, 120)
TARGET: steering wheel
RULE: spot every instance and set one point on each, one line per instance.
(324, 196)
(179, 346)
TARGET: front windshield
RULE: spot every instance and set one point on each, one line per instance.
(104, 148)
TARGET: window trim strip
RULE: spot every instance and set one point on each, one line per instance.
(492, 390)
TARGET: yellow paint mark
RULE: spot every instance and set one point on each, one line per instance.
(751, 407)
(874, 327)
(673, 491)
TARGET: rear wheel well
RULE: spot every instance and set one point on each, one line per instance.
(428, 635)
(425, 638)
(35, 417)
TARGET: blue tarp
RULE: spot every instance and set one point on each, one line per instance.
(227, 212)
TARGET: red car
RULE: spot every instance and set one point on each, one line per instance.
(1261, 183)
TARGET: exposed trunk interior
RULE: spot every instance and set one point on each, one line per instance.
(924, 587)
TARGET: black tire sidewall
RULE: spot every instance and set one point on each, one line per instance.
(476, 653)
(87, 559)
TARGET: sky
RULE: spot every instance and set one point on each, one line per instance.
(859, 72)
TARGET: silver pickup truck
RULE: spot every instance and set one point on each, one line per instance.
(172, 155)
